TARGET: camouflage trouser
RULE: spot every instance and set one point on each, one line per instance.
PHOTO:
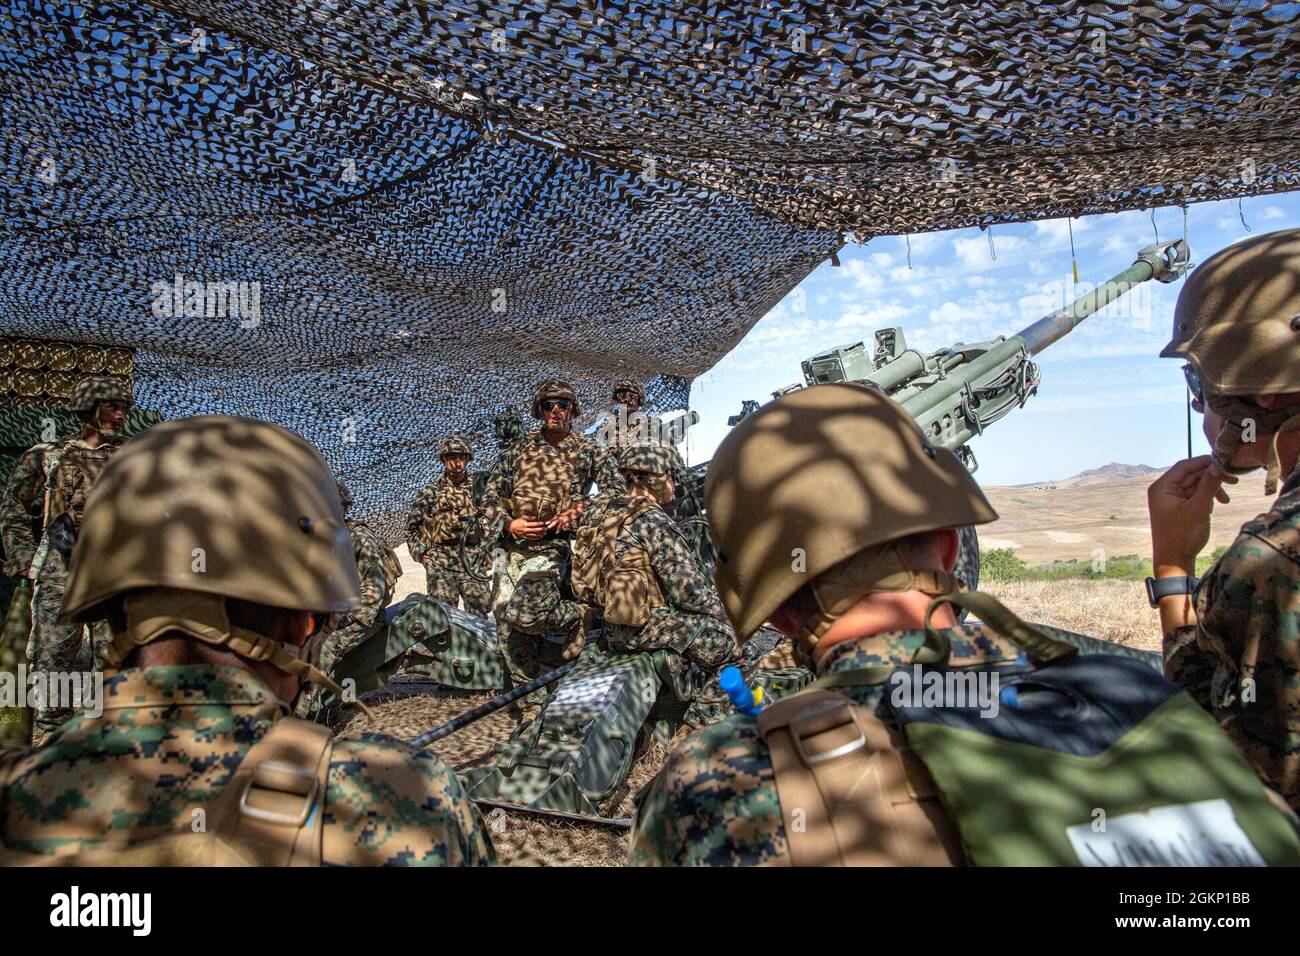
(350, 634)
(703, 646)
(527, 603)
(448, 580)
(52, 647)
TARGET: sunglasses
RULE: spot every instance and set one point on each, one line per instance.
(563, 404)
(1194, 383)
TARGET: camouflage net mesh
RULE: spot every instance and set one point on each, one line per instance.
(377, 222)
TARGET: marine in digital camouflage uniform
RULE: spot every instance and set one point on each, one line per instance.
(171, 738)
(835, 520)
(209, 671)
(625, 425)
(691, 621)
(715, 803)
(434, 526)
(1235, 646)
(50, 484)
(539, 486)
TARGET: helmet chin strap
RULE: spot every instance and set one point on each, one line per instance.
(151, 613)
(873, 571)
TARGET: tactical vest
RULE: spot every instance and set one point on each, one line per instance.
(623, 585)
(74, 471)
(452, 499)
(270, 813)
(1090, 760)
(544, 477)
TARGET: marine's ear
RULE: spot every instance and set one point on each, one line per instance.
(949, 545)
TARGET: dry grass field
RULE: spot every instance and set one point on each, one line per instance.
(1114, 610)
(1061, 521)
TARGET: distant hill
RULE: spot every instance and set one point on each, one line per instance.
(1096, 476)
(1100, 512)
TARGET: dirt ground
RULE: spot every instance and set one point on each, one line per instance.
(1114, 610)
(1057, 522)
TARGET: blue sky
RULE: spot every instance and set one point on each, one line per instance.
(1105, 396)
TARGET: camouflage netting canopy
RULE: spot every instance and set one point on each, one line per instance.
(377, 221)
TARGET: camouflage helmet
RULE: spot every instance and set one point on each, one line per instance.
(647, 459)
(455, 445)
(554, 388)
(831, 470)
(1238, 317)
(1237, 323)
(630, 385)
(507, 427)
(218, 505)
(93, 389)
(345, 495)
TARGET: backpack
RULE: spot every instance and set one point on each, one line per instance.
(624, 586)
(1090, 759)
(270, 813)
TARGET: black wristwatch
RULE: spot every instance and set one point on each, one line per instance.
(1158, 588)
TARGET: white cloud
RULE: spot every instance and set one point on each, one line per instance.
(865, 278)
(1058, 230)
(974, 252)
(1118, 242)
(881, 260)
(870, 319)
(1270, 213)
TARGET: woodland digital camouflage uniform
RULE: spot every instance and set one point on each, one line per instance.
(1248, 630)
(169, 740)
(714, 802)
(433, 529)
(376, 588)
(546, 479)
(66, 469)
(691, 622)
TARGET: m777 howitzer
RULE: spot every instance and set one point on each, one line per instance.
(957, 392)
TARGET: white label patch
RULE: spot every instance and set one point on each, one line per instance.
(1185, 834)
(588, 689)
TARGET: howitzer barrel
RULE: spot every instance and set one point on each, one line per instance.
(1164, 261)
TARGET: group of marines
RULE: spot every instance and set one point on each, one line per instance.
(833, 521)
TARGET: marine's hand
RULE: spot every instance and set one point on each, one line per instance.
(1179, 503)
(565, 519)
(530, 529)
